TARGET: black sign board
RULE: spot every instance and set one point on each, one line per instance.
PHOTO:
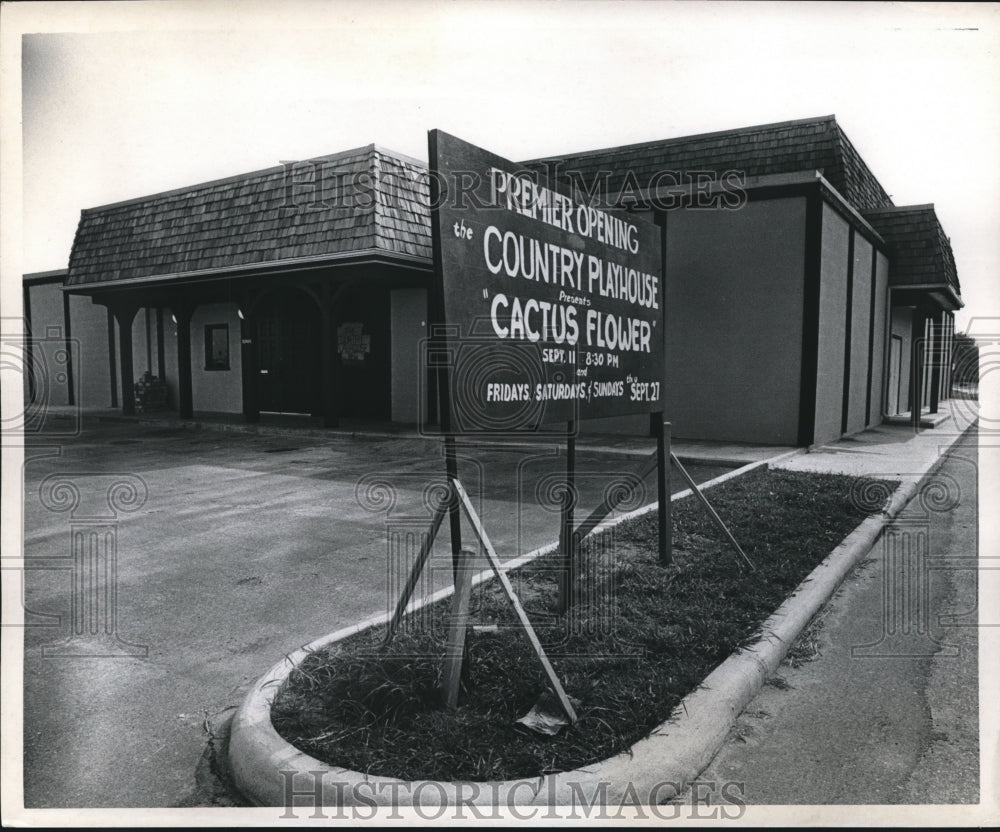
(553, 307)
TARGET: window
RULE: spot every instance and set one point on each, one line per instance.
(217, 347)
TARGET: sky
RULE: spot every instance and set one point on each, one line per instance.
(124, 99)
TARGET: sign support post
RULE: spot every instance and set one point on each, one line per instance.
(567, 538)
(454, 653)
(454, 515)
(663, 458)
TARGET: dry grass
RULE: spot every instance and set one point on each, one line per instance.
(644, 638)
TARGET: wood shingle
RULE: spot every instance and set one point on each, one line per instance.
(920, 251)
(332, 205)
(789, 147)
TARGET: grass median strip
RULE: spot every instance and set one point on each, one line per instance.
(641, 637)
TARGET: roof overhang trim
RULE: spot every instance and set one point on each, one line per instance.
(942, 293)
(354, 258)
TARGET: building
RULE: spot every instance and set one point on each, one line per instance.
(802, 304)
(251, 294)
(790, 313)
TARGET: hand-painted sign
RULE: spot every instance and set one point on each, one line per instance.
(554, 307)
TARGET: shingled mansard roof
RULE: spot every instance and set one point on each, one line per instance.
(789, 147)
(921, 252)
(373, 201)
(376, 203)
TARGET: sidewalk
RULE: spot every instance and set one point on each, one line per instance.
(889, 451)
(881, 703)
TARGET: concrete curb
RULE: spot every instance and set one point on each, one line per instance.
(267, 769)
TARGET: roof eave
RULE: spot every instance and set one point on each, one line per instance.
(952, 300)
(678, 139)
(352, 258)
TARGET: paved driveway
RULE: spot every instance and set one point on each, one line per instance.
(244, 548)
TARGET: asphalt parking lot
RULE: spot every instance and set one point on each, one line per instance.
(232, 549)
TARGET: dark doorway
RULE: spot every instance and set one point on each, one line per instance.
(363, 344)
(288, 354)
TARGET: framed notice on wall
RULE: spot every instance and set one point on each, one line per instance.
(353, 343)
(553, 308)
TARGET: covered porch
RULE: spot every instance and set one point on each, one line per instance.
(309, 343)
(924, 294)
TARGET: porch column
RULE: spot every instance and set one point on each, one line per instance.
(330, 361)
(917, 348)
(161, 358)
(946, 322)
(112, 363)
(928, 357)
(937, 356)
(125, 315)
(183, 312)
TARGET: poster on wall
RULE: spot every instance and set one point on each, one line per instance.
(353, 344)
(553, 308)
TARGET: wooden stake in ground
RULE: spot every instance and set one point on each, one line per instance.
(454, 653)
(529, 631)
(711, 511)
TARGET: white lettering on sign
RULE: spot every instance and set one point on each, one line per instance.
(550, 300)
(520, 194)
(516, 255)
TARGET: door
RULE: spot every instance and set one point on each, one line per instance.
(895, 359)
(288, 354)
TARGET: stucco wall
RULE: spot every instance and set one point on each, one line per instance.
(734, 283)
(880, 344)
(216, 391)
(408, 326)
(89, 327)
(832, 320)
(91, 371)
(47, 346)
(860, 314)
